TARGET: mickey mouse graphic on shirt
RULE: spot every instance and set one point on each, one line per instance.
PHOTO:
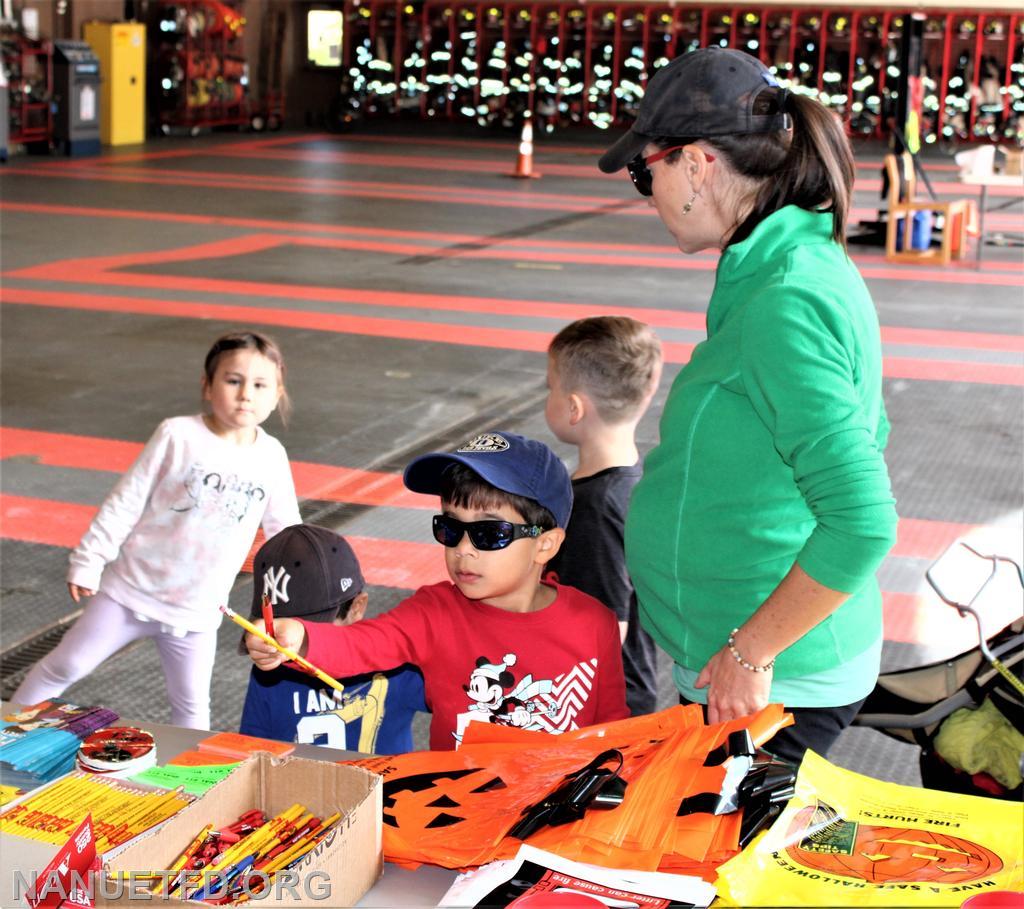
(495, 697)
(487, 683)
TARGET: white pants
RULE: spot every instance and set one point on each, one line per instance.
(103, 629)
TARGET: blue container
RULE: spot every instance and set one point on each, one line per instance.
(920, 231)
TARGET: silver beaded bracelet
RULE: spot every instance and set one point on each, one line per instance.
(767, 667)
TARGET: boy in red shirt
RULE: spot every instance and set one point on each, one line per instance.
(497, 644)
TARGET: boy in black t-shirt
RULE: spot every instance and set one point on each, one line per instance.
(602, 373)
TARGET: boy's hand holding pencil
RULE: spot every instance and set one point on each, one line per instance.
(291, 645)
(290, 634)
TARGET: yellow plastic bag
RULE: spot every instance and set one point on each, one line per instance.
(848, 840)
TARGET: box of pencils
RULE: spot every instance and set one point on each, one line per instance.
(320, 844)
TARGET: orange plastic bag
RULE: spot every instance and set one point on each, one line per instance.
(455, 808)
(646, 832)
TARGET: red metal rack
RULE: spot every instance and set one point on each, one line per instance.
(573, 62)
(29, 65)
(201, 73)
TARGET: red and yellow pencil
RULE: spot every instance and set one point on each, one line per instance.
(182, 860)
(286, 651)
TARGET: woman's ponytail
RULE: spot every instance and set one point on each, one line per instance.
(820, 162)
(810, 165)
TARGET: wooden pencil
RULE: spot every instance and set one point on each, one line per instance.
(291, 654)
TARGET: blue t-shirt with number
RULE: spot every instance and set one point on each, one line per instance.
(373, 715)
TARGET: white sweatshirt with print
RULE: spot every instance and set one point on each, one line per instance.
(170, 538)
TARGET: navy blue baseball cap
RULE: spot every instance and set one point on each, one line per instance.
(306, 572)
(509, 462)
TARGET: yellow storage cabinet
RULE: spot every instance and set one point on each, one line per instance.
(121, 48)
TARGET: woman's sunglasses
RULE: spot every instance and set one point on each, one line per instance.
(640, 168)
(484, 535)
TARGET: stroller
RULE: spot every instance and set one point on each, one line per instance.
(979, 692)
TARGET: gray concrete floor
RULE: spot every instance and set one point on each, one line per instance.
(359, 226)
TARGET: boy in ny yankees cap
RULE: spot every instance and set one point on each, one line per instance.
(310, 572)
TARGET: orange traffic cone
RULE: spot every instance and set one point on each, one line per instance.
(524, 163)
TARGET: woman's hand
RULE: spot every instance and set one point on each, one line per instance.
(289, 633)
(732, 690)
(78, 592)
(796, 606)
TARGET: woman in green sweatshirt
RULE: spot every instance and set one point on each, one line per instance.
(754, 536)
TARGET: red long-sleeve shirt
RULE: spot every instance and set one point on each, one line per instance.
(555, 670)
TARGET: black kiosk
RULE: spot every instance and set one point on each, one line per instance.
(76, 88)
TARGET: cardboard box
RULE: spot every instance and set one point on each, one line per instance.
(348, 862)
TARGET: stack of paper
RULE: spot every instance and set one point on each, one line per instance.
(39, 743)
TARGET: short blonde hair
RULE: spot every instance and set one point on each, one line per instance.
(613, 359)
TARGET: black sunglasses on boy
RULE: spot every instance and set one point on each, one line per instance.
(486, 536)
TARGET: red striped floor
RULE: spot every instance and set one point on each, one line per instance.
(543, 148)
(448, 195)
(389, 562)
(324, 482)
(943, 369)
(270, 149)
(113, 170)
(475, 246)
(385, 563)
(909, 618)
(105, 271)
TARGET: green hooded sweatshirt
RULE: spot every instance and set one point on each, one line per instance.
(770, 454)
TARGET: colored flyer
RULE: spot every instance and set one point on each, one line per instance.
(849, 840)
(238, 746)
(196, 758)
(196, 780)
(535, 879)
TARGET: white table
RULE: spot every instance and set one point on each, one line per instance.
(397, 888)
(983, 182)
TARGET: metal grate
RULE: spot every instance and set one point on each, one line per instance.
(16, 661)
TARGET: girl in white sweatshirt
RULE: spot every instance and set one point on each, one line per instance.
(163, 551)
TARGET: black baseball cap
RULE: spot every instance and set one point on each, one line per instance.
(307, 572)
(509, 462)
(704, 93)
